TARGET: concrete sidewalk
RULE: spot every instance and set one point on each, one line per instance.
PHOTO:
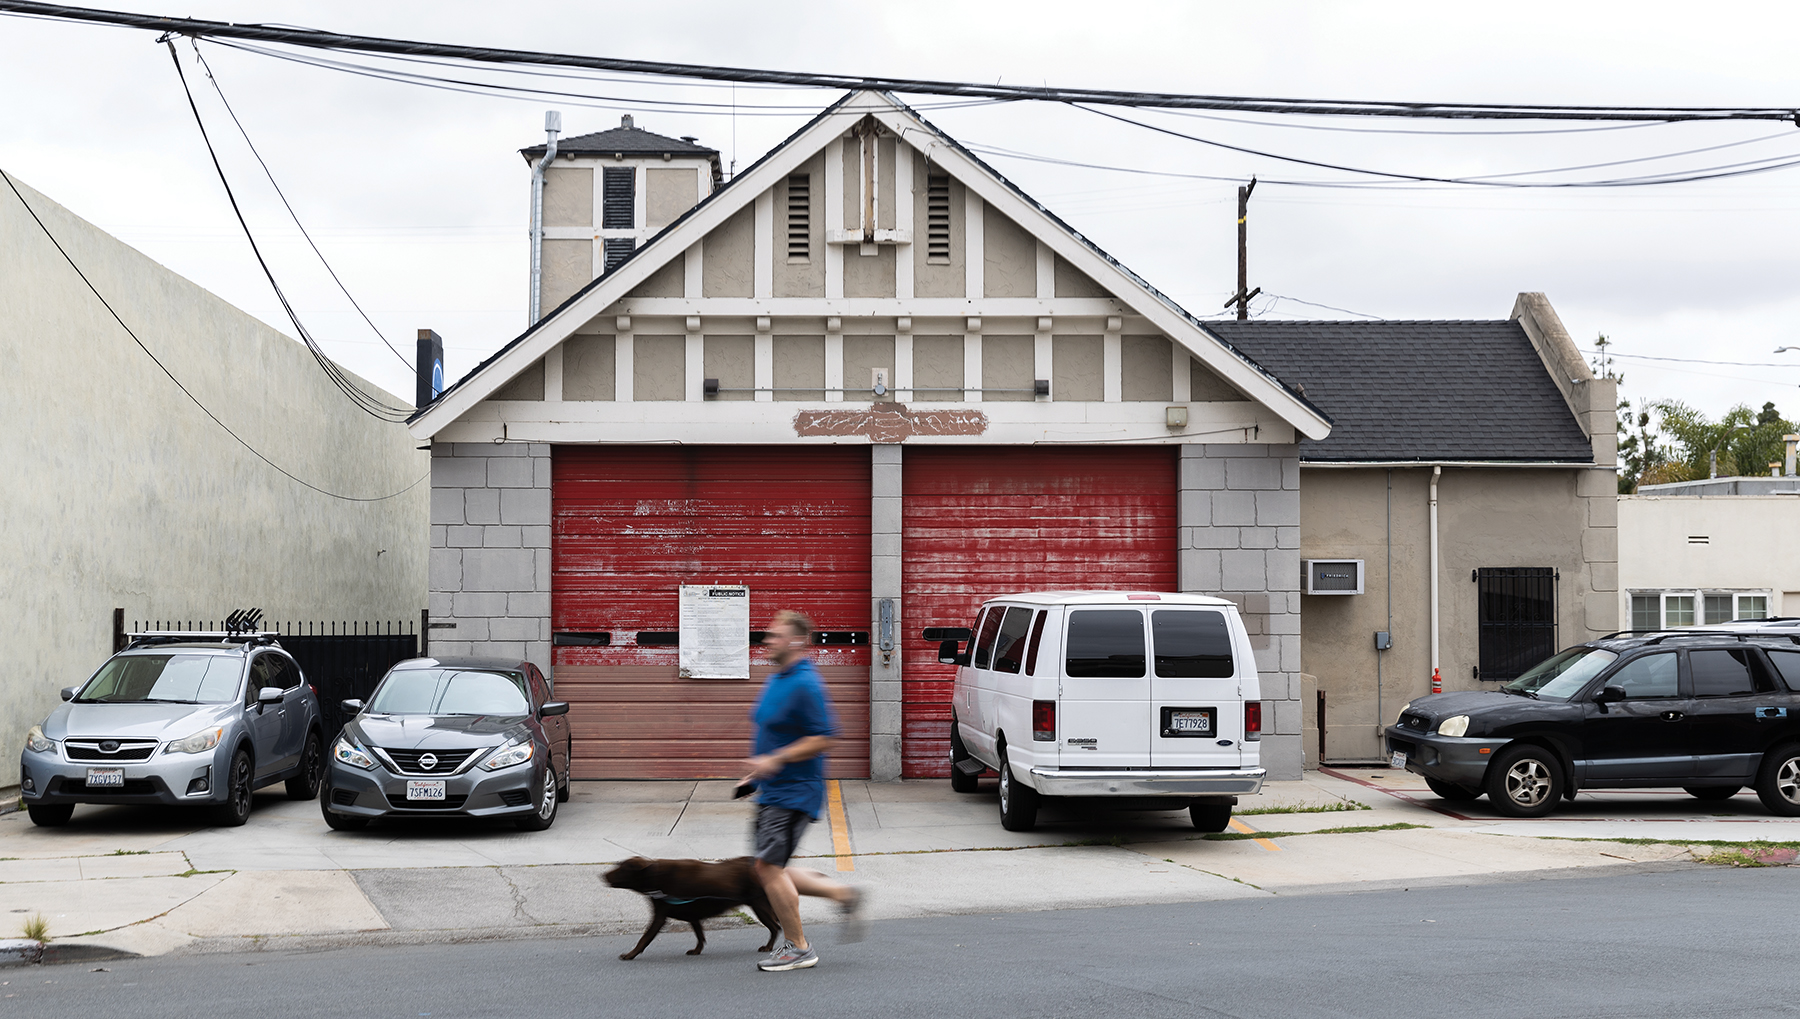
(152, 881)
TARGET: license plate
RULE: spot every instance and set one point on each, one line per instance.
(1398, 760)
(100, 777)
(425, 790)
(1191, 721)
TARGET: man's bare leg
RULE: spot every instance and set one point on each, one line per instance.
(784, 899)
(817, 885)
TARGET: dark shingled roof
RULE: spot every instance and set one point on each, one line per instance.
(1419, 390)
(629, 141)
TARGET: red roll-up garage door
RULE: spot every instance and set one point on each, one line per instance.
(996, 520)
(634, 523)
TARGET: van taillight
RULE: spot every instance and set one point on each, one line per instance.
(1253, 720)
(1043, 721)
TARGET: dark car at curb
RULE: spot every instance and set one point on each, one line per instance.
(476, 737)
(1706, 711)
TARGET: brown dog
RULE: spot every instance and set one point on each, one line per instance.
(693, 891)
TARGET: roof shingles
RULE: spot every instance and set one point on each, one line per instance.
(1418, 391)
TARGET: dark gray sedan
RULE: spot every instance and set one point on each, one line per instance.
(444, 736)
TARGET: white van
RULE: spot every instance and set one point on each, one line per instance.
(1147, 700)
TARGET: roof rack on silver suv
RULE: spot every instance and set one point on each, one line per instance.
(241, 627)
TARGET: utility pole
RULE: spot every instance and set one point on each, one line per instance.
(1242, 298)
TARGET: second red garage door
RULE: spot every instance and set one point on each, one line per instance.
(995, 520)
(634, 523)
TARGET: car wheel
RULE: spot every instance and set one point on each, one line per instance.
(51, 815)
(1524, 781)
(1018, 801)
(1778, 783)
(1451, 791)
(960, 780)
(305, 785)
(340, 822)
(238, 787)
(545, 814)
(1712, 792)
(1210, 817)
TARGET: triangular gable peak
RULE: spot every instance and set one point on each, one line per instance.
(871, 263)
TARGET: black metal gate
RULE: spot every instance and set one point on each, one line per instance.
(341, 659)
(1517, 614)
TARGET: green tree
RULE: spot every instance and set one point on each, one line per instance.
(1742, 442)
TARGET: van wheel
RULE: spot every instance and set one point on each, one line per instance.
(960, 780)
(1778, 782)
(1451, 791)
(1210, 817)
(1018, 802)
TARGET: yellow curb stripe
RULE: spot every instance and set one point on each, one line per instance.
(840, 828)
(1240, 826)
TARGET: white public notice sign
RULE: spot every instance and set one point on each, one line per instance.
(715, 631)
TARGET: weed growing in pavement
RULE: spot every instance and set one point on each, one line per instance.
(130, 852)
(37, 928)
(191, 872)
(1320, 808)
(1733, 858)
(1238, 836)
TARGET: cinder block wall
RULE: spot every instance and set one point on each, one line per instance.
(490, 550)
(1240, 539)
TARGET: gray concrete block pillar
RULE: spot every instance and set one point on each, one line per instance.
(884, 585)
(1239, 538)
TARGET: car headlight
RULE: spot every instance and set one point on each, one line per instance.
(37, 742)
(1403, 708)
(518, 753)
(1455, 725)
(198, 743)
(346, 752)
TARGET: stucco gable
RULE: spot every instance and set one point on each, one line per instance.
(1022, 232)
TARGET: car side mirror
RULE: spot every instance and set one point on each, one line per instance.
(351, 706)
(69, 692)
(949, 655)
(269, 695)
(553, 708)
(1609, 695)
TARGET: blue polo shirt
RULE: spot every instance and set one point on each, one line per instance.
(793, 705)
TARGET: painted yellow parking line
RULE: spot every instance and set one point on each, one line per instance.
(1240, 826)
(840, 828)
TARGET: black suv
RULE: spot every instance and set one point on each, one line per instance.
(1708, 711)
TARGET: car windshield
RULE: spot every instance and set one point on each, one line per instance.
(175, 679)
(451, 692)
(1561, 676)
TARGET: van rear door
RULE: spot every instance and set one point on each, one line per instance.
(1104, 718)
(1197, 713)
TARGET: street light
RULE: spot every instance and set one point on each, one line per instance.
(1783, 350)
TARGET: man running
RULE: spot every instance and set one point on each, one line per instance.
(794, 728)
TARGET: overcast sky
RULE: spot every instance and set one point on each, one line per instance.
(419, 199)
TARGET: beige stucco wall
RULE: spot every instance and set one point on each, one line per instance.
(122, 493)
(732, 360)
(1753, 544)
(1487, 517)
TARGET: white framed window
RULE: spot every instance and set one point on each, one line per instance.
(1654, 610)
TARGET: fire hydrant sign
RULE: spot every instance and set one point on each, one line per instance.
(715, 631)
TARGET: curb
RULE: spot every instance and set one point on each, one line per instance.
(20, 952)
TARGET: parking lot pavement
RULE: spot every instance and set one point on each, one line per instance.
(148, 880)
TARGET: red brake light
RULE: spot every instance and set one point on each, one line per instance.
(1043, 721)
(1253, 719)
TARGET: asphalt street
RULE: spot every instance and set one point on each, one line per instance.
(1714, 943)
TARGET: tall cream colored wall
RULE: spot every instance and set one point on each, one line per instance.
(1753, 543)
(1487, 517)
(122, 493)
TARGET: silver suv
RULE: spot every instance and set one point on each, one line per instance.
(178, 719)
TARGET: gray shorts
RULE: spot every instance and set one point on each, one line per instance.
(778, 831)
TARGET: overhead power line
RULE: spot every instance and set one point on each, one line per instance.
(185, 391)
(316, 39)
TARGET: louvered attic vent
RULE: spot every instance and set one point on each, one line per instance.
(799, 226)
(619, 198)
(937, 219)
